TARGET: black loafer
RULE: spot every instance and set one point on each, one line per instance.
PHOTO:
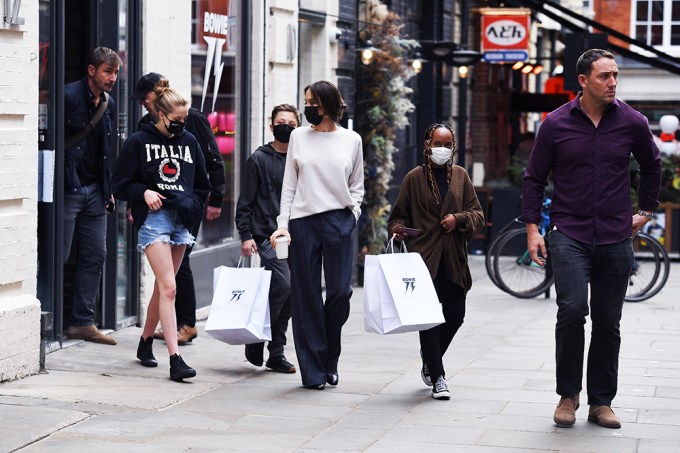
(332, 378)
(315, 386)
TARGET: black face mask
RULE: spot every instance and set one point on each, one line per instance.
(312, 115)
(175, 127)
(282, 132)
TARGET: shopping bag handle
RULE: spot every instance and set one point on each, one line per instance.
(389, 248)
(240, 261)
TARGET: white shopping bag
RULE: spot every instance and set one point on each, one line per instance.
(239, 313)
(399, 295)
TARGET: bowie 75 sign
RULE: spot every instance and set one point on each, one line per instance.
(505, 35)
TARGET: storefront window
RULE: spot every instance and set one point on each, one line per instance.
(125, 250)
(213, 89)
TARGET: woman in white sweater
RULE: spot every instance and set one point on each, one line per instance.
(323, 186)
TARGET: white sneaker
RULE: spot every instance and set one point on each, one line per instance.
(440, 389)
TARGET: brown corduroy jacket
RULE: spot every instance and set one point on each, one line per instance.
(416, 207)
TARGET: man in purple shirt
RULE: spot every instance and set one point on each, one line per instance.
(586, 144)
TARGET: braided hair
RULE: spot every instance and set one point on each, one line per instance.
(427, 153)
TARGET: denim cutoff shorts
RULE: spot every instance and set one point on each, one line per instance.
(164, 226)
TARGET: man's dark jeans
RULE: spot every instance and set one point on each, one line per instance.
(85, 219)
(607, 269)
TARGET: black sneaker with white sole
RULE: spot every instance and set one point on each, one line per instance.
(440, 389)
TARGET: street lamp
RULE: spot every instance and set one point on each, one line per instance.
(449, 52)
(454, 55)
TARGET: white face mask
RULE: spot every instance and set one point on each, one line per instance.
(441, 155)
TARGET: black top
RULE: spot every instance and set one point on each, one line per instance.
(172, 166)
(90, 167)
(258, 202)
(198, 125)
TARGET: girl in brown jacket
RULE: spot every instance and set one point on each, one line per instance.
(439, 199)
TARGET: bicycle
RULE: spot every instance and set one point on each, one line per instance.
(508, 256)
(511, 269)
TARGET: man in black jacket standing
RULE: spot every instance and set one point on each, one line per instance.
(87, 184)
(256, 212)
(197, 124)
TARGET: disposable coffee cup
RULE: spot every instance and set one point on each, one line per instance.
(282, 247)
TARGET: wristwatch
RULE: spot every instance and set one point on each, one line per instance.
(649, 215)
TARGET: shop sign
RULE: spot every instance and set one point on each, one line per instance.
(216, 23)
(505, 34)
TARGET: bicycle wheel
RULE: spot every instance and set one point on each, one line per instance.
(489, 260)
(650, 269)
(514, 270)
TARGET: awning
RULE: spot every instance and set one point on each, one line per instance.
(660, 59)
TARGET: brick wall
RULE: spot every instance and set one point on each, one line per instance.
(490, 119)
(19, 308)
(615, 15)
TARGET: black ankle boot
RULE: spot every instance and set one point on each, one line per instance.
(180, 370)
(145, 352)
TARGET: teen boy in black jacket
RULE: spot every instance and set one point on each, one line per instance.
(256, 212)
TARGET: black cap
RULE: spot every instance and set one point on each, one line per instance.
(146, 84)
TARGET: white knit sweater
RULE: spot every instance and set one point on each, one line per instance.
(324, 171)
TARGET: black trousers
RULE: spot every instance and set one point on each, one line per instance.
(185, 299)
(324, 238)
(435, 341)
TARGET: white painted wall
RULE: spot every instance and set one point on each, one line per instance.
(280, 55)
(647, 85)
(19, 307)
(166, 41)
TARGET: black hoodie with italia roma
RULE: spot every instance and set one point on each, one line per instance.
(172, 166)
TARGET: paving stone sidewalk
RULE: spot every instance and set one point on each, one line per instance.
(500, 370)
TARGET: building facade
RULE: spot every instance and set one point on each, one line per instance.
(19, 306)
(236, 59)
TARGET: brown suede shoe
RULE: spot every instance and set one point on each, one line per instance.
(89, 333)
(565, 412)
(604, 416)
(186, 333)
(159, 335)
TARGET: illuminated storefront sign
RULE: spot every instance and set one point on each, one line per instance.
(505, 34)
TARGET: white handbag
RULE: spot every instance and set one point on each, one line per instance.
(399, 295)
(239, 313)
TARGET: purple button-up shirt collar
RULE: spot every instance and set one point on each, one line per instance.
(590, 168)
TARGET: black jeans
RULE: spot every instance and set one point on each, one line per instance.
(317, 325)
(435, 341)
(279, 292)
(185, 299)
(606, 268)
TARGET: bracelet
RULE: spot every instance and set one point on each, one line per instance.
(649, 215)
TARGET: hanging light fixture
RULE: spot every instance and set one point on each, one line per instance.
(527, 69)
(366, 55)
(366, 51)
(537, 69)
(518, 65)
(463, 72)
